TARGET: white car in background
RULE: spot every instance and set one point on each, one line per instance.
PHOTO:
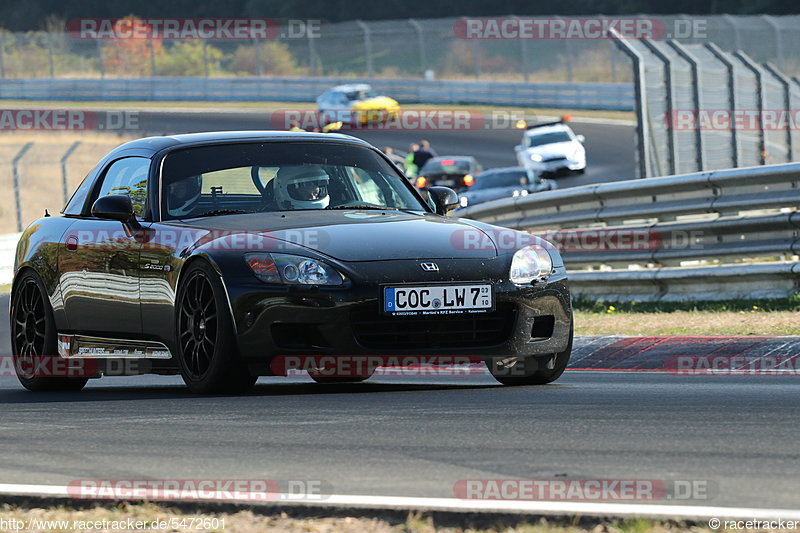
(552, 149)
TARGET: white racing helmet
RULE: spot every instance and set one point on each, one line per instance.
(183, 195)
(302, 187)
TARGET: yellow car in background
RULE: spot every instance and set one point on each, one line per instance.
(356, 104)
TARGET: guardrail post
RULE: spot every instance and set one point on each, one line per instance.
(673, 163)
(787, 105)
(423, 59)
(2, 62)
(737, 39)
(697, 93)
(753, 67)
(15, 176)
(367, 46)
(64, 182)
(723, 58)
(643, 126)
(476, 57)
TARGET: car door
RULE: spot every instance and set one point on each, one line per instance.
(99, 259)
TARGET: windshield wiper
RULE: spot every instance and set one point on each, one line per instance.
(363, 206)
(223, 212)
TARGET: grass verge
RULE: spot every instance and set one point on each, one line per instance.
(737, 317)
(249, 521)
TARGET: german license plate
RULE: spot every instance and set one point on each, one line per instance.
(437, 299)
(445, 183)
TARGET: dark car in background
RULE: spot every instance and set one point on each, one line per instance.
(457, 172)
(506, 182)
(216, 255)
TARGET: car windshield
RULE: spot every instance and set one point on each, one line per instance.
(361, 95)
(445, 166)
(547, 138)
(490, 180)
(279, 176)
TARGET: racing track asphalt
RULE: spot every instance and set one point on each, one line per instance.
(417, 436)
(609, 146)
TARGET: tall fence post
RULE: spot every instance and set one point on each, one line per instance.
(367, 46)
(2, 60)
(257, 49)
(697, 96)
(50, 62)
(313, 59)
(152, 52)
(751, 65)
(776, 28)
(732, 100)
(643, 126)
(101, 60)
(668, 86)
(423, 57)
(787, 104)
(64, 181)
(476, 57)
(205, 58)
(17, 187)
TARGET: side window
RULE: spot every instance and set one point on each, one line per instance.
(76, 203)
(128, 176)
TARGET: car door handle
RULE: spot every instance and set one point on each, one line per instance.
(71, 243)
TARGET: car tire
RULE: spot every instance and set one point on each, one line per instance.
(33, 334)
(538, 370)
(207, 349)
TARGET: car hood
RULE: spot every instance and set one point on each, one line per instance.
(348, 235)
(566, 148)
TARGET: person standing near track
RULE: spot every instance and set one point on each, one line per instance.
(410, 166)
(424, 154)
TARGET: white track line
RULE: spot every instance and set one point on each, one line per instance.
(487, 506)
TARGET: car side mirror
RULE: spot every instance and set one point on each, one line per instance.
(114, 207)
(580, 138)
(444, 198)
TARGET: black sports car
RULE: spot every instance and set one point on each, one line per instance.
(220, 255)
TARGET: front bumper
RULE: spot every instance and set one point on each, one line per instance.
(530, 321)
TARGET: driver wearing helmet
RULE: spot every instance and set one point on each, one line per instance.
(183, 195)
(302, 187)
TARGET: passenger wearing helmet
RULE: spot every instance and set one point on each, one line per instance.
(302, 187)
(183, 195)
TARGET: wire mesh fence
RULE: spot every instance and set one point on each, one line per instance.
(388, 48)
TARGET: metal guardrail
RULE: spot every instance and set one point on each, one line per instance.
(612, 96)
(705, 236)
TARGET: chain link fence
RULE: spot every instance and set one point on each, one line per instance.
(386, 49)
(702, 108)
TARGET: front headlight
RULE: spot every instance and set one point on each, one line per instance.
(536, 157)
(529, 264)
(292, 270)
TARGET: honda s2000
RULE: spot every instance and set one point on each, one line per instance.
(216, 255)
